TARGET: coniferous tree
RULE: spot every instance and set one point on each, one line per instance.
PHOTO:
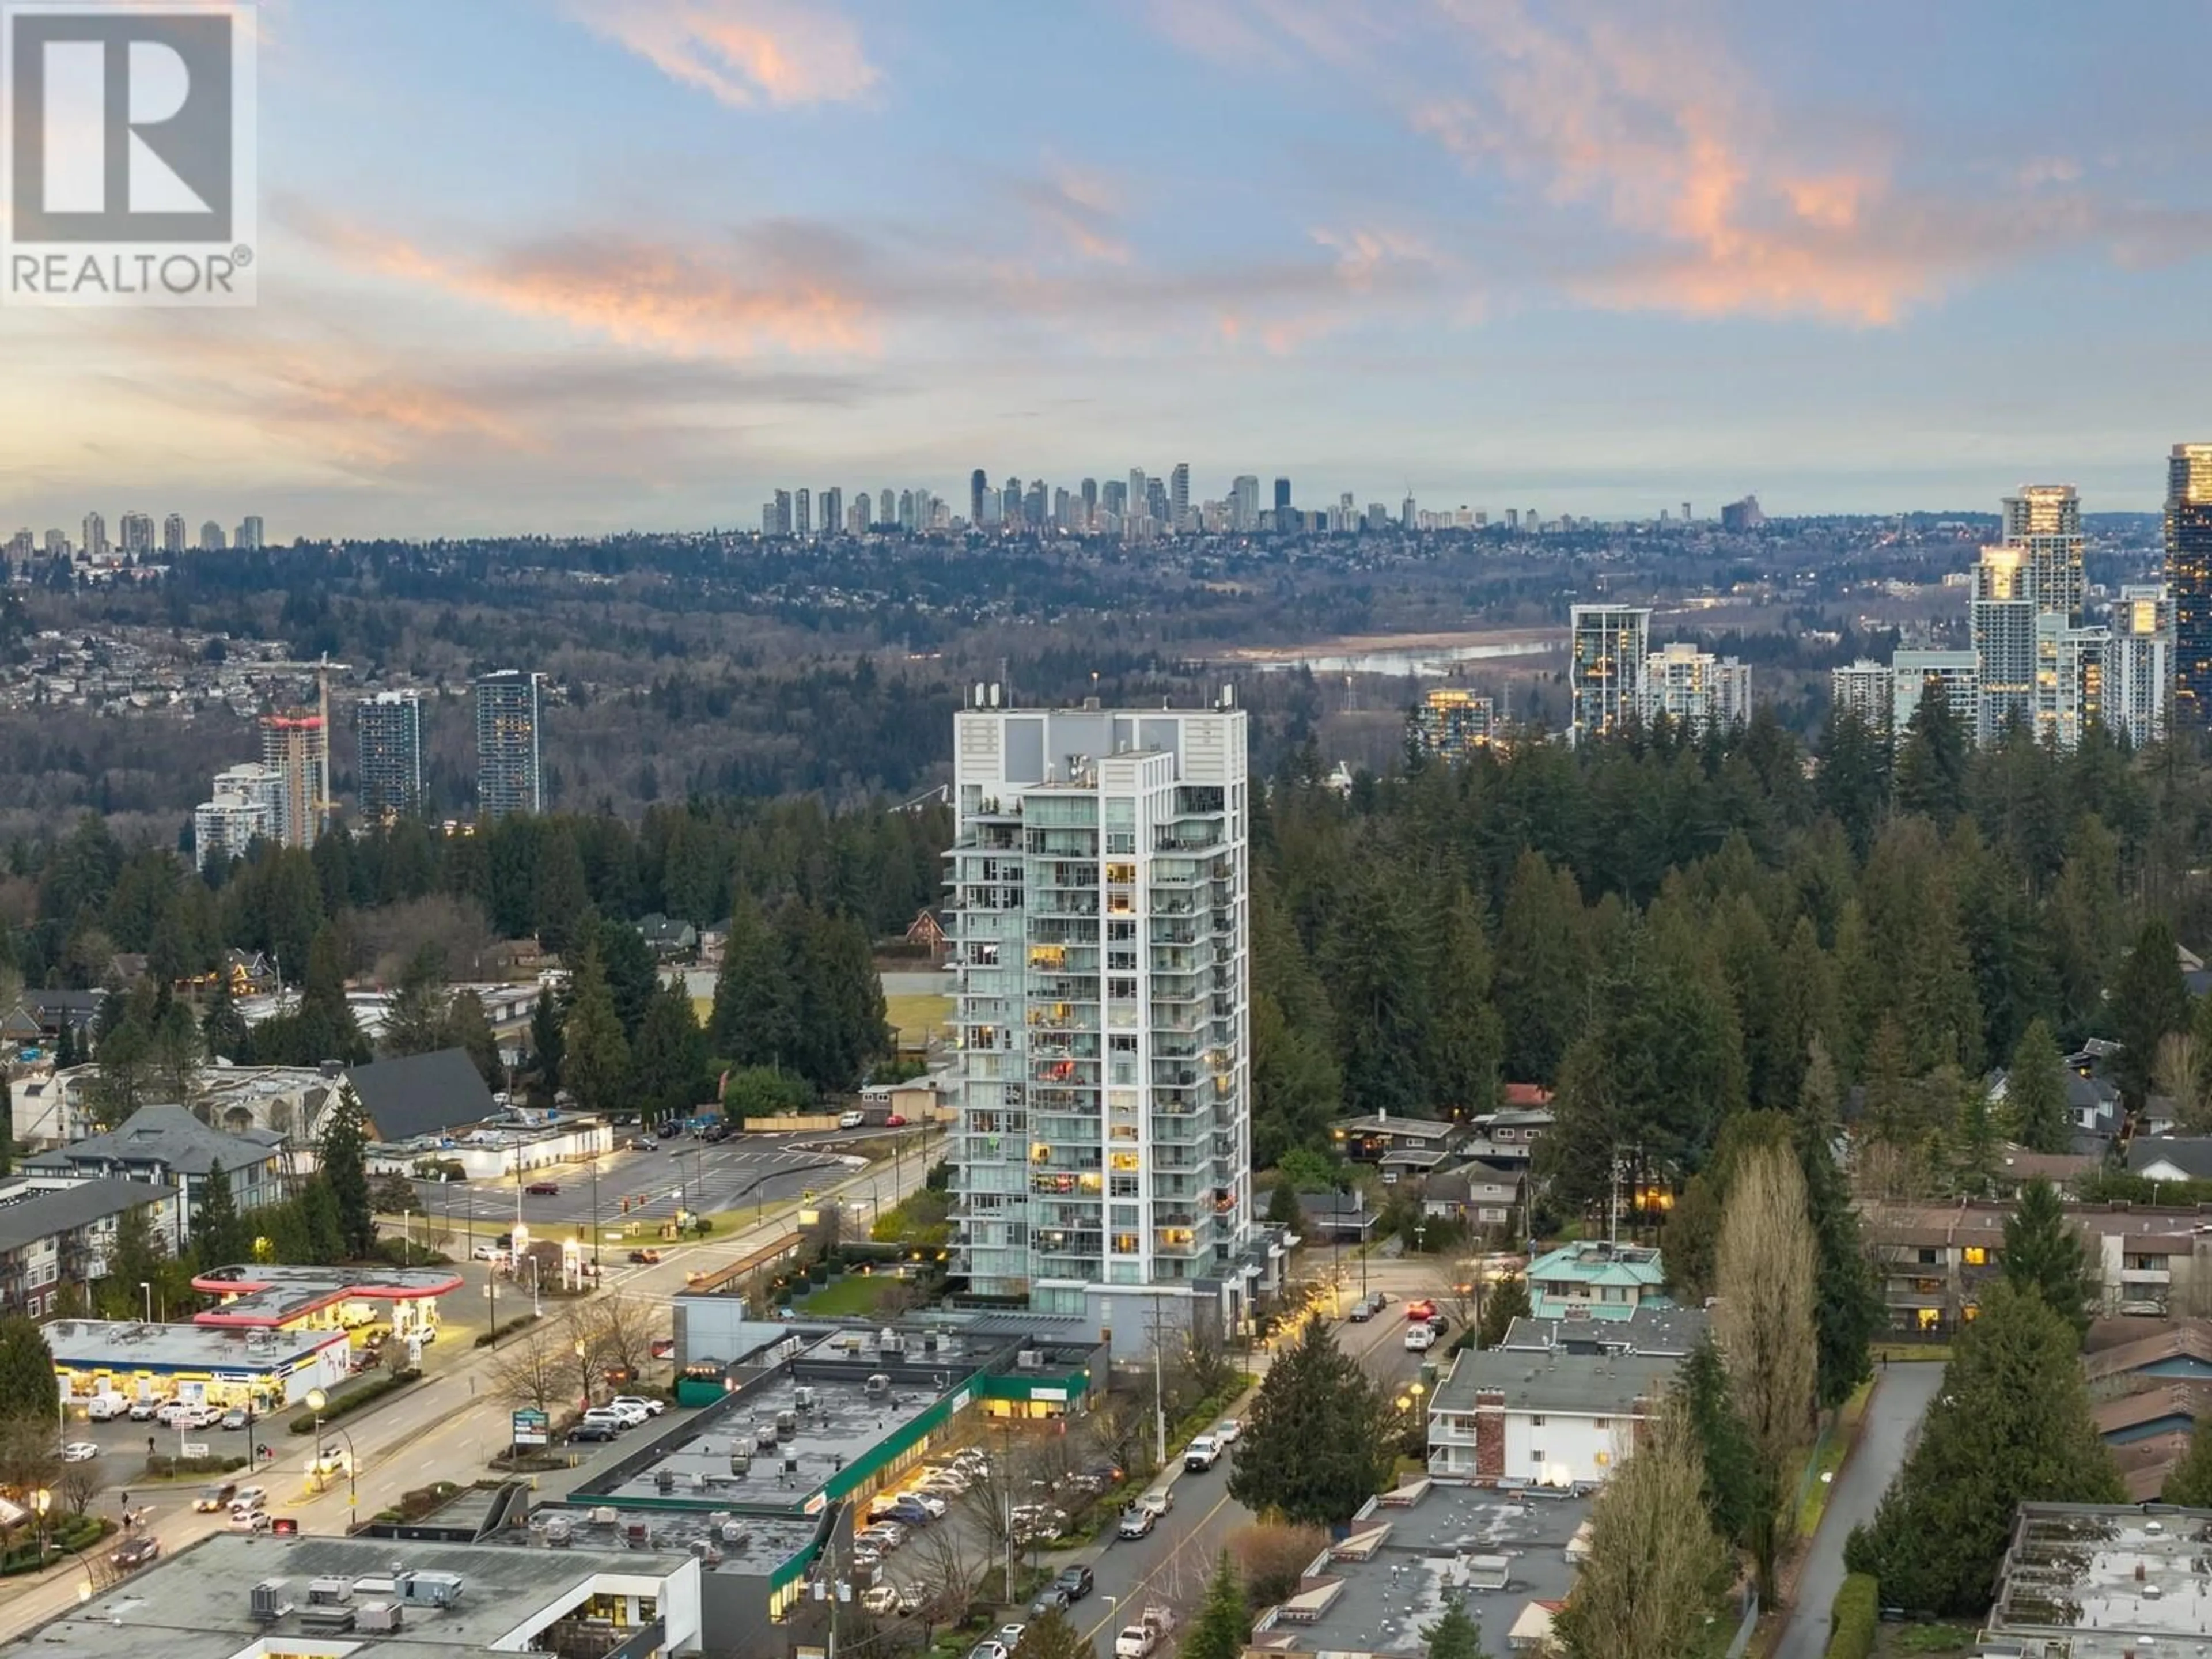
(1453, 1636)
(136, 1260)
(670, 1064)
(2150, 1000)
(1847, 1307)
(321, 1225)
(1051, 1636)
(547, 1045)
(1466, 1042)
(2189, 1483)
(1732, 1487)
(595, 1055)
(29, 1389)
(220, 1237)
(2043, 1256)
(1543, 968)
(343, 1172)
(222, 1028)
(1314, 1447)
(2011, 1425)
(2035, 1092)
(1507, 1301)
(1223, 1623)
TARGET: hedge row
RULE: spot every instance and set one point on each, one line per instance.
(367, 1395)
(77, 1531)
(1855, 1619)
(521, 1321)
(162, 1466)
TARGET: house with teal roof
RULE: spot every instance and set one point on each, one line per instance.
(1596, 1280)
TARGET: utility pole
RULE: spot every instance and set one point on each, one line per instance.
(1159, 1400)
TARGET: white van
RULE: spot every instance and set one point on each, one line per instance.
(106, 1408)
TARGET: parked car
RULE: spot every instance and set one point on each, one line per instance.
(1361, 1311)
(487, 1251)
(1141, 1639)
(1137, 1521)
(1050, 1599)
(618, 1420)
(896, 1120)
(632, 1414)
(1009, 1636)
(883, 1535)
(543, 1189)
(605, 1428)
(651, 1407)
(1440, 1322)
(1420, 1338)
(851, 1119)
(235, 1418)
(79, 1451)
(174, 1411)
(144, 1411)
(644, 1144)
(880, 1599)
(647, 1255)
(106, 1406)
(1227, 1429)
(933, 1502)
(1077, 1581)
(215, 1496)
(1203, 1453)
(988, 1650)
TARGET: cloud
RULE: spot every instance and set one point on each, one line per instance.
(741, 51)
(730, 300)
(1080, 210)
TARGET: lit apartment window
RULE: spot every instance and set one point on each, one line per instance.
(1977, 1255)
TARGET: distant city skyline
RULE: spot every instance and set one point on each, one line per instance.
(1485, 249)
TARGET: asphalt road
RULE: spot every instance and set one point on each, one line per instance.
(1901, 1397)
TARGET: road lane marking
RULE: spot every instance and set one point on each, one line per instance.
(1138, 1590)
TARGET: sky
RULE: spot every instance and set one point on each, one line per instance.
(565, 266)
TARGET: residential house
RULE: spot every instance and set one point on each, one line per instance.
(1476, 1194)
(1934, 1259)
(2146, 1396)
(52, 1010)
(927, 930)
(1509, 1135)
(2017, 1166)
(668, 937)
(54, 1237)
(1337, 1215)
(1558, 1403)
(2092, 1104)
(2171, 1158)
(168, 1146)
(1597, 1279)
(1374, 1139)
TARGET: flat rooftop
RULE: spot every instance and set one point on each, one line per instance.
(267, 1295)
(839, 1425)
(196, 1604)
(1388, 1579)
(125, 1345)
(741, 1545)
(2105, 1577)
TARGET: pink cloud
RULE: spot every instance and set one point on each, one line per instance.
(741, 51)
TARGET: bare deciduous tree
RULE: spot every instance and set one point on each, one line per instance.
(1656, 1569)
(622, 1328)
(946, 1564)
(1271, 1559)
(2174, 1074)
(78, 1486)
(532, 1368)
(1766, 1270)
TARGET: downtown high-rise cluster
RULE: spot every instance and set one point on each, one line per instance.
(2036, 660)
(286, 797)
(136, 537)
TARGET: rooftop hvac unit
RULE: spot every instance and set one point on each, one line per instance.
(559, 1534)
(433, 1589)
(377, 1584)
(741, 1464)
(269, 1600)
(806, 1397)
(604, 1516)
(1029, 1359)
(329, 1592)
(786, 1425)
(326, 1620)
(697, 1548)
(380, 1616)
(698, 1481)
(878, 1386)
(664, 1480)
(890, 1342)
(734, 1533)
(764, 1436)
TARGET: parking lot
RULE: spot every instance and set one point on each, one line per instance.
(685, 1172)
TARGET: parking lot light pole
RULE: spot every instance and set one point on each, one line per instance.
(316, 1401)
(146, 1289)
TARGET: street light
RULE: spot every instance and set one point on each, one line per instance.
(147, 1290)
(316, 1401)
(42, 1500)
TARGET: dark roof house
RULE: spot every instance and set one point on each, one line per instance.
(418, 1095)
(167, 1143)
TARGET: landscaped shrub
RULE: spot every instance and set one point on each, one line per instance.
(1855, 1618)
(367, 1395)
(508, 1329)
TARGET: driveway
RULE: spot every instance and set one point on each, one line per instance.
(1900, 1398)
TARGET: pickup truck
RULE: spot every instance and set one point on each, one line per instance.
(1142, 1640)
(1203, 1453)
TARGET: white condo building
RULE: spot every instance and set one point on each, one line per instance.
(1100, 931)
(2139, 668)
(1695, 690)
(1956, 674)
(1863, 687)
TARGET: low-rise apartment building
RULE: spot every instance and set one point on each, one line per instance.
(57, 1238)
(1595, 1278)
(1936, 1259)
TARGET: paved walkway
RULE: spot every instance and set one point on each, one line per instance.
(1901, 1396)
